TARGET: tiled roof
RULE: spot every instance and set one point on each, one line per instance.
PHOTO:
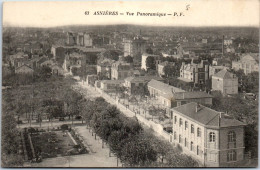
(192, 95)
(165, 88)
(250, 56)
(142, 78)
(165, 63)
(112, 81)
(206, 116)
(224, 74)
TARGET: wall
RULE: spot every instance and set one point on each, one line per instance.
(239, 131)
(190, 137)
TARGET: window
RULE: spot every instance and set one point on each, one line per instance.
(171, 114)
(174, 136)
(186, 125)
(179, 138)
(212, 137)
(231, 136)
(175, 119)
(185, 142)
(192, 128)
(180, 121)
(191, 146)
(198, 150)
(198, 132)
(231, 156)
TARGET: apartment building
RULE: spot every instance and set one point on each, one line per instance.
(213, 138)
(195, 73)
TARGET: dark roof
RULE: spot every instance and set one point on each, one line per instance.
(206, 116)
(192, 95)
(142, 78)
(165, 88)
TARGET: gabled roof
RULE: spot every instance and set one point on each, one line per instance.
(24, 65)
(165, 88)
(250, 56)
(165, 63)
(207, 116)
(224, 74)
(142, 78)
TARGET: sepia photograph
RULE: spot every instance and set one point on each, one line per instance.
(130, 84)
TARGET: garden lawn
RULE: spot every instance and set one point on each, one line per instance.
(52, 144)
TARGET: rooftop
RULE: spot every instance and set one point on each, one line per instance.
(224, 74)
(207, 116)
(165, 88)
(142, 78)
(192, 95)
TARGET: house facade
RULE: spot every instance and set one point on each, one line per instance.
(248, 63)
(24, 69)
(196, 73)
(215, 69)
(161, 66)
(138, 83)
(110, 85)
(145, 56)
(225, 82)
(134, 47)
(121, 70)
(212, 138)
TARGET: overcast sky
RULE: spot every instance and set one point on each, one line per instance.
(200, 13)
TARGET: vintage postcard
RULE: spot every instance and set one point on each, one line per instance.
(130, 84)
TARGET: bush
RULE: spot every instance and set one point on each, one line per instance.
(64, 127)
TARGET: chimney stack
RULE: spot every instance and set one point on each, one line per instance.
(197, 107)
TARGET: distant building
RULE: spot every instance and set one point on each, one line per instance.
(56, 70)
(71, 39)
(145, 56)
(134, 47)
(225, 82)
(80, 39)
(204, 41)
(47, 63)
(136, 83)
(90, 80)
(249, 63)
(196, 73)
(24, 69)
(58, 51)
(211, 137)
(161, 66)
(228, 41)
(110, 85)
(88, 40)
(215, 69)
(121, 70)
(104, 68)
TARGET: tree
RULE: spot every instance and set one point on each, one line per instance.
(170, 70)
(128, 59)
(72, 99)
(180, 160)
(150, 63)
(138, 152)
(149, 50)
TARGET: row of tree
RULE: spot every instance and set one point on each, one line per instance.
(134, 146)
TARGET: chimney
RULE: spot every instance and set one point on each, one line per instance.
(197, 107)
